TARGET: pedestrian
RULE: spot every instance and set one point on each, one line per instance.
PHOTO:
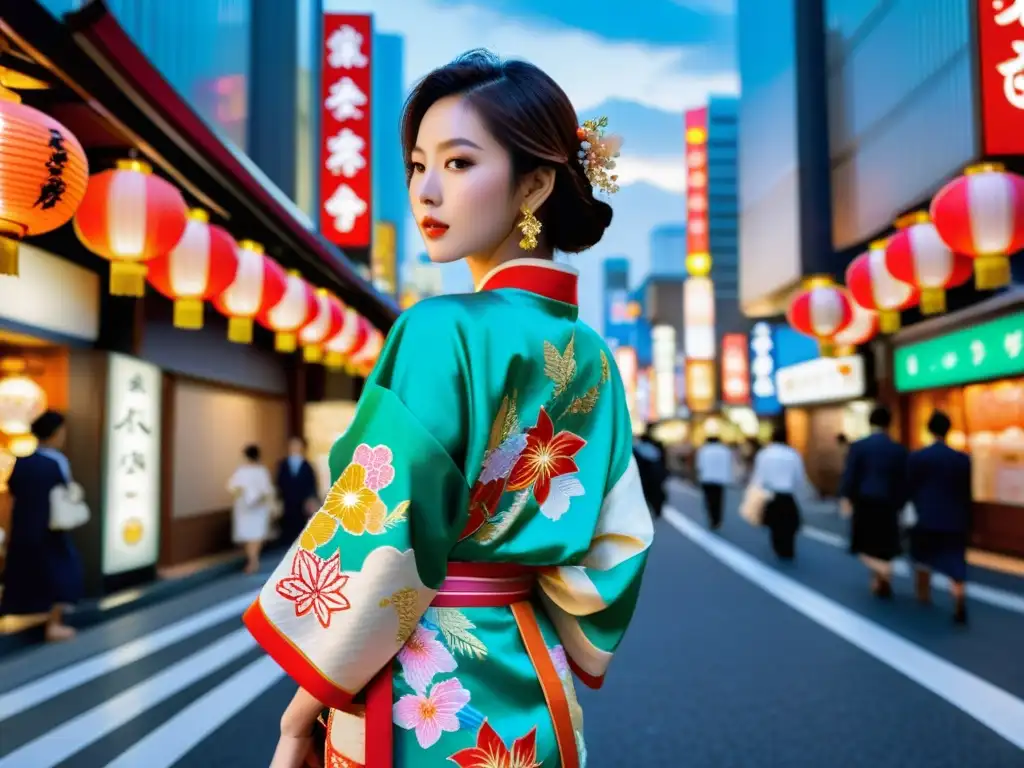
(492, 437)
(939, 487)
(44, 570)
(872, 493)
(252, 489)
(714, 473)
(296, 489)
(653, 466)
(779, 470)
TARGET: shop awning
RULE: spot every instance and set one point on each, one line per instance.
(115, 100)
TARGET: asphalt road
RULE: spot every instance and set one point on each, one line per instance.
(732, 661)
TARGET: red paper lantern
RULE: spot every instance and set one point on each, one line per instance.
(822, 309)
(364, 359)
(873, 287)
(862, 328)
(918, 255)
(259, 283)
(292, 313)
(330, 316)
(981, 214)
(338, 347)
(130, 216)
(202, 265)
(362, 339)
(43, 176)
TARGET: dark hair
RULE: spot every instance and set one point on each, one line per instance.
(880, 417)
(46, 426)
(939, 425)
(252, 452)
(842, 439)
(779, 434)
(300, 438)
(530, 115)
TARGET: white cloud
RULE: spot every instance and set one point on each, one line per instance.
(668, 172)
(589, 68)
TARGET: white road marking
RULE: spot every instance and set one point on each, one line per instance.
(986, 703)
(29, 695)
(165, 746)
(73, 735)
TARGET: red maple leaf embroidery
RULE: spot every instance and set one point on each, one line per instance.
(315, 585)
(490, 751)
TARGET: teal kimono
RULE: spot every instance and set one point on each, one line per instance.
(483, 541)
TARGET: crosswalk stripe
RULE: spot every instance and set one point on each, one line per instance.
(166, 745)
(74, 735)
(31, 694)
(991, 706)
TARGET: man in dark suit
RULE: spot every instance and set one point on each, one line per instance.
(296, 486)
(939, 483)
(653, 467)
(873, 492)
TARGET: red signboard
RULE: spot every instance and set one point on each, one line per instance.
(696, 121)
(735, 369)
(346, 186)
(1000, 53)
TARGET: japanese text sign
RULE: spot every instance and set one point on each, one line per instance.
(696, 122)
(700, 385)
(1000, 54)
(131, 495)
(346, 185)
(984, 351)
(735, 369)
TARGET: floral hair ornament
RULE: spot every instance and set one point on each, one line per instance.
(598, 153)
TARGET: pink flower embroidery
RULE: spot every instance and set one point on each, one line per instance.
(432, 715)
(422, 657)
(315, 585)
(377, 462)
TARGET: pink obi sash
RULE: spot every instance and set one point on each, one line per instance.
(476, 585)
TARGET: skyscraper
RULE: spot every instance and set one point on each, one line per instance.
(668, 251)
(723, 210)
(616, 299)
(390, 197)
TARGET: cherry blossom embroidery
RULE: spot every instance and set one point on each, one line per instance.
(433, 714)
(315, 585)
(545, 457)
(377, 463)
(424, 656)
(490, 751)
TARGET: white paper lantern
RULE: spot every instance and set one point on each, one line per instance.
(22, 401)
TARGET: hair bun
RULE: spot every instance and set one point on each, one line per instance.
(574, 220)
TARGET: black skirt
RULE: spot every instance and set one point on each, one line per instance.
(875, 529)
(940, 551)
(782, 513)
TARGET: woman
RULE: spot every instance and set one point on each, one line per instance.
(486, 531)
(939, 486)
(253, 492)
(44, 571)
(779, 469)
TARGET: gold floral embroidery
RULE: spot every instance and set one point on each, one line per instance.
(405, 602)
(560, 367)
(505, 422)
(318, 532)
(585, 403)
(455, 628)
(605, 372)
(350, 500)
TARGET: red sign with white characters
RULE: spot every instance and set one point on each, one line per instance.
(1000, 54)
(696, 121)
(735, 369)
(346, 186)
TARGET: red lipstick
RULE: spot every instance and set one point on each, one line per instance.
(433, 228)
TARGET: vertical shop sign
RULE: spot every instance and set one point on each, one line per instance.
(346, 185)
(131, 497)
(999, 49)
(700, 385)
(764, 395)
(626, 361)
(735, 369)
(698, 257)
(663, 343)
(699, 318)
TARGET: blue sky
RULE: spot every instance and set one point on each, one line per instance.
(641, 68)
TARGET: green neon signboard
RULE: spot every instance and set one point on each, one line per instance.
(989, 350)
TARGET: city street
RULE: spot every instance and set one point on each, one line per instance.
(732, 661)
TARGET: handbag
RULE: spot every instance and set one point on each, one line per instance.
(68, 509)
(755, 499)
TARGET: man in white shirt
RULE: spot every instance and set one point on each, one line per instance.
(714, 472)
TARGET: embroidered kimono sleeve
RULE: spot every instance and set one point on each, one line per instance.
(350, 591)
(591, 604)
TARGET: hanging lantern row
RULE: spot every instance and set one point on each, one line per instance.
(821, 309)
(873, 286)
(863, 327)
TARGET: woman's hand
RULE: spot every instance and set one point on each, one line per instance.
(295, 752)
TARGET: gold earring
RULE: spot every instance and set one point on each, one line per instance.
(530, 227)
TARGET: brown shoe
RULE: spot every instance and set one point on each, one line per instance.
(923, 586)
(881, 588)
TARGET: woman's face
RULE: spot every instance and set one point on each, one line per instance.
(461, 187)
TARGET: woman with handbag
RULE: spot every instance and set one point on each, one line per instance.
(778, 480)
(253, 491)
(44, 571)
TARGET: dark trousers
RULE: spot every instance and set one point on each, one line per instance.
(782, 516)
(713, 493)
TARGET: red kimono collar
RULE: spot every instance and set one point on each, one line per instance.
(541, 276)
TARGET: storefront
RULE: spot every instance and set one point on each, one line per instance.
(157, 414)
(970, 364)
(823, 399)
